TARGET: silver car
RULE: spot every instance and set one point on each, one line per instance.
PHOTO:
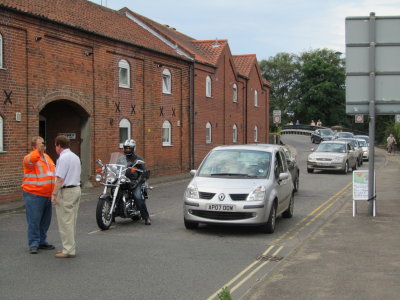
(333, 155)
(364, 146)
(240, 185)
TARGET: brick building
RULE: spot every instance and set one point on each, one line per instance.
(100, 76)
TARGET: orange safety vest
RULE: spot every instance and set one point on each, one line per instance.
(39, 174)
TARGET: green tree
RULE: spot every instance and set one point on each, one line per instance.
(321, 88)
(282, 71)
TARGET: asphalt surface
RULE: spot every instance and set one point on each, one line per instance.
(346, 258)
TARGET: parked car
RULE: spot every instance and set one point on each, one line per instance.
(293, 168)
(343, 134)
(333, 155)
(240, 185)
(364, 146)
(358, 149)
(323, 134)
(364, 137)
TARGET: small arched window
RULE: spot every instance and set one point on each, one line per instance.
(235, 93)
(166, 81)
(255, 134)
(1, 51)
(208, 86)
(255, 98)
(1, 134)
(208, 133)
(166, 133)
(124, 74)
(234, 134)
(124, 131)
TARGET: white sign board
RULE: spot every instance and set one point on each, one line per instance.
(70, 135)
(276, 112)
(383, 62)
(360, 189)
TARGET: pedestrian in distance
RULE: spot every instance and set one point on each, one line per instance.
(319, 123)
(312, 123)
(66, 195)
(38, 184)
(297, 122)
(391, 141)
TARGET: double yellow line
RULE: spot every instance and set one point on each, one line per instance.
(251, 269)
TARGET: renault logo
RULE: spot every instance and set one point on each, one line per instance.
(221, 197)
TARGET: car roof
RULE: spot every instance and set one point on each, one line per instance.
(335, 142)
(256, 147)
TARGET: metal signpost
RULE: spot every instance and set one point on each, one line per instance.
(372, 75)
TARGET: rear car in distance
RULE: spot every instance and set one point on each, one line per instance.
(240, 185)
(343, 134)
(365, 149)
(334, 156)
(322, 134)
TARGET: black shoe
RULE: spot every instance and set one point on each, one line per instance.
(33, 250)
(46, 247)
(147, 221)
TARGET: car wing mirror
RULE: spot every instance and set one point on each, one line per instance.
(283, 176)
(192, 172)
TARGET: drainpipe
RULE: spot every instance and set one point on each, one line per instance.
(191, 114)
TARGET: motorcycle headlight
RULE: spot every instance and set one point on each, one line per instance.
(192, 191)
(258, 194)
(98, 177)
(110, 178)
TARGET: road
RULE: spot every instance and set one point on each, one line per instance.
(164, 260)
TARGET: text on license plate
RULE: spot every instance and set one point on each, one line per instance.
(221, 207)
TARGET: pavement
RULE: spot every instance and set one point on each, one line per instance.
(346, 258)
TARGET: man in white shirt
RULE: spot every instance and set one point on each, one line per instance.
(66, 195)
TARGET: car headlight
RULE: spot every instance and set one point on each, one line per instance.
(192, 191)
(337, 159)
(258, 194)
(311, 158)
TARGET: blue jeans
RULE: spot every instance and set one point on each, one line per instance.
(38, 215)
(137, 194)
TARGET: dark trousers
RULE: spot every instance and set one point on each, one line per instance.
(137, 194)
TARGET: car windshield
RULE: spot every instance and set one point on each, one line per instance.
(331, 147)
(236, 163)
(326, 132)
(362, 143)
(345, 135)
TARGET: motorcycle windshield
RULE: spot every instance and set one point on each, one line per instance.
(114, 157)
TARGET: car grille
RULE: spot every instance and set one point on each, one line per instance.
(207, 196)
(217, 215)
(238, 197)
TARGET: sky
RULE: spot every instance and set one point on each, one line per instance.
(261, 27)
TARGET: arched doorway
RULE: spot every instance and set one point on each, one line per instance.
(70, 119)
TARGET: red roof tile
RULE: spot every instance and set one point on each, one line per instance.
(91, 17)
(244, 63)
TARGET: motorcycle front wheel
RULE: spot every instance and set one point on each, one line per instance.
(103, 218)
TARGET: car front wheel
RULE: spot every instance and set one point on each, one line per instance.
(269, 227)
(346, 168)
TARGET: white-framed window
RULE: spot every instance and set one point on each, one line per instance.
(208, 86)
(255, 134)
(124, 131)
(234, 134)
(124, 74)
(208, 133)
(1, 51)
(166, 133)
(166, 81)
(255, 98)
(235, 92)
(1, 134)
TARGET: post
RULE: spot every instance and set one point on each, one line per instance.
(371, 92)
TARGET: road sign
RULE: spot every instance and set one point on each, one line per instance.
(276, 113)
(372, 64)
(359, 119)
(277, 119)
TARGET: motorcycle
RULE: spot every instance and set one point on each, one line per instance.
(117, 198)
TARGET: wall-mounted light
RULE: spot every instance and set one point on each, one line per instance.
(38, 38)
(88, 53)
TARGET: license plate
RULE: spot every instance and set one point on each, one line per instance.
(221, 207)
(324, 163)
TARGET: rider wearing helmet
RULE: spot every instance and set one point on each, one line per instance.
(129, 160)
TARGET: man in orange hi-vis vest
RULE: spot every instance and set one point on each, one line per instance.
(38, 185)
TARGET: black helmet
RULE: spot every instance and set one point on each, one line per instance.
(129, 147)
